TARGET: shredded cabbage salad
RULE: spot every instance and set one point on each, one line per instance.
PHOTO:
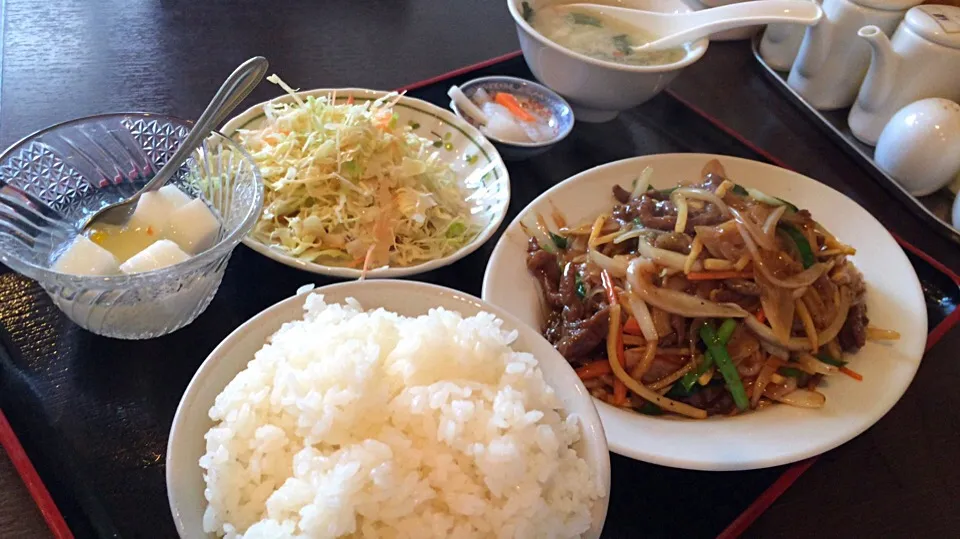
(346, 185)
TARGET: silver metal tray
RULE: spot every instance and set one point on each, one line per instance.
(934, 208)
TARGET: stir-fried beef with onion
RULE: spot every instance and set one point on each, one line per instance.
(702, 299)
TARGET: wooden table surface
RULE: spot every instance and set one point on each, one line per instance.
(71, 58)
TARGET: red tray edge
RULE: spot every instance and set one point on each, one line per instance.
(31, 479)
(58, 526)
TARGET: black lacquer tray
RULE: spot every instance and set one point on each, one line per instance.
(89, 416)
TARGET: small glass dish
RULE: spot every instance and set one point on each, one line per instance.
(53, 180)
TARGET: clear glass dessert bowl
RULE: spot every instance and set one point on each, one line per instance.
(53, 180)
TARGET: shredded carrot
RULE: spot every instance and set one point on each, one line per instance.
(366, 261)
(632, 326)
(350, 100)
(614, 338)
(852, 374)
(507, 100)
(608, 287)
(717, 275)
(761, 316)
(595, 369)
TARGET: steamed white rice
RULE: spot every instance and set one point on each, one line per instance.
(369, 424)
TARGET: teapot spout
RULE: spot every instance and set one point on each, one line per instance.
(815, 48)
(879, 82)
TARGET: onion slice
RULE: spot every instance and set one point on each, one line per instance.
(672, 301)
(642, 313)
(666, 258)
(745, 223)
(804, 278)
(803, 398)
(770, 225)
(616, 266)
(701, 194)
(797, 344)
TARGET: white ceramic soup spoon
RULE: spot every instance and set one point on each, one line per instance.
(676, 29)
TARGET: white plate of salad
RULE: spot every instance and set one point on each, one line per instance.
(366, 183)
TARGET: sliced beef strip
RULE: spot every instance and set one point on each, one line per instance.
(621, 194)
(580, 339)
(677, 242)
(713, 398)
(546, 268)
(572, 304)
(853, 334)
(742, 287)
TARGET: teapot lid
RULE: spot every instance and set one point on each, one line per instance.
(939, 24)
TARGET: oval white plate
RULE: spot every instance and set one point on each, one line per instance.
(186, 444)
(779, 434)
(471, 156)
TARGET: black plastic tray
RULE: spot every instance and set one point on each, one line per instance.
(93, 414)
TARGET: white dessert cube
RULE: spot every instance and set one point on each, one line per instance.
(152, 213)
(159, 254)
(84, 257)
(193, 227)
(172, 194)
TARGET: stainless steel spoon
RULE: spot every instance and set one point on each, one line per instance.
(237, 87)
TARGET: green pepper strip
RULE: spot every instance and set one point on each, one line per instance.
(830, 361)
(724, 334)
(725, 365)
(806, 253)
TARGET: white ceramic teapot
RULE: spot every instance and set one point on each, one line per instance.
(923, 60)
(781, 43)
(833, 61)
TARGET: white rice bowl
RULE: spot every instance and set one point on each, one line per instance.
(352, 423)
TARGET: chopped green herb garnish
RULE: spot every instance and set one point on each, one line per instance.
(438, 143)
(470, 159)
(650, 408)
(831, 361)
(393, 120)
(622, 43)
(558, 240)
(790, 372)
(527, 11)
(636, 221)
(688, 386)
(581, 287)
(738, 189)
(414, 125)
(583, 18)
